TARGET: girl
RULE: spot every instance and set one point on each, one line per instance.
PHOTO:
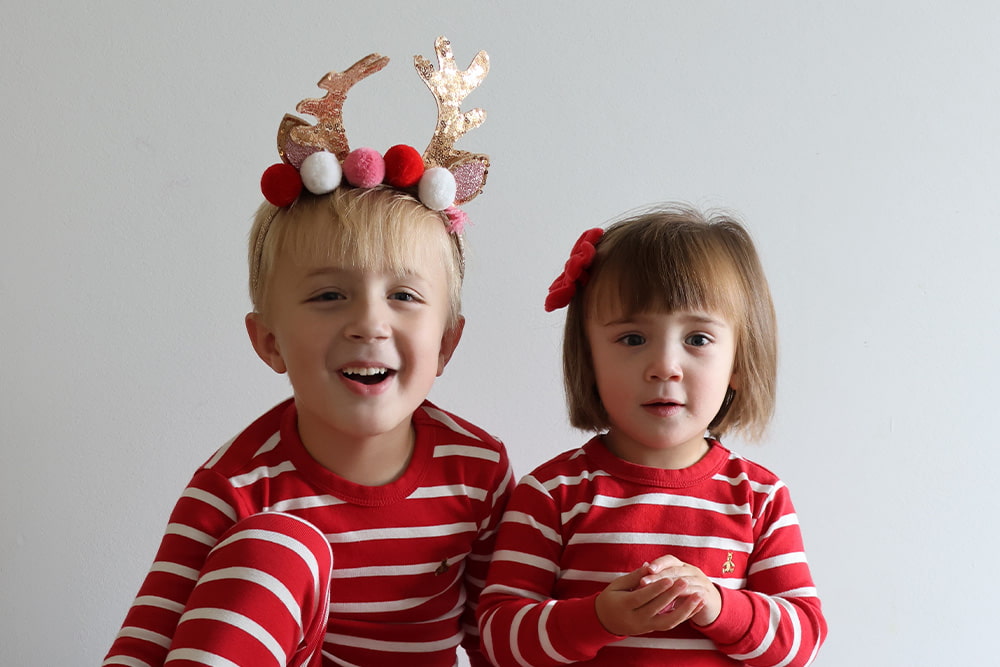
(652, 543)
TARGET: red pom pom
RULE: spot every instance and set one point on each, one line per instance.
(281, 184)
(403, 166)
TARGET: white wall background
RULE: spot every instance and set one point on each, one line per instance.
(859, 140)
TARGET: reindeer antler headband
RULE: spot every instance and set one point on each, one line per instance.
(318, 157)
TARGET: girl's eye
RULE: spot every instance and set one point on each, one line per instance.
(697, 340)
(631, 340)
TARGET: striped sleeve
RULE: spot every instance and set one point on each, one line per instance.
(519, 622)
(480, 557)
(207, 509)
(776, 620)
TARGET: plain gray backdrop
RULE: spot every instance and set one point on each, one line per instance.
(858, 140)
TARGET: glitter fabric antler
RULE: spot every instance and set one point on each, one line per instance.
(450, 86)
(297, 139)
(318, 158)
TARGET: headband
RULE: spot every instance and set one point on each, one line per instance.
(317, 156)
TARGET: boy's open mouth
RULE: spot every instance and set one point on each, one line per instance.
(366, 375)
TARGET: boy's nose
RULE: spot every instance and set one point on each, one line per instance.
(369, 321)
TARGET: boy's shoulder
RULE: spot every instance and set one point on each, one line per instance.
(448, 428)
(255, 446)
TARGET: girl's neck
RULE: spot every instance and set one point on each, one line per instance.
(670, 458)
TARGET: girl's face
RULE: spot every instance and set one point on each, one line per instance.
(662, 378)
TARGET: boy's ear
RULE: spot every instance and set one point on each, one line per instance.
(449, 342)
(264, 342)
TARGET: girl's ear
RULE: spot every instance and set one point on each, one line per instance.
(449, 342)
(264, 342)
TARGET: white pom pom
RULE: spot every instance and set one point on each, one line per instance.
(437, 189)
(321, 172)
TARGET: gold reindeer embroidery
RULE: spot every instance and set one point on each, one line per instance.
(729, 566)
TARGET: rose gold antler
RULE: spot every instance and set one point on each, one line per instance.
(297, 138)
(450, 86)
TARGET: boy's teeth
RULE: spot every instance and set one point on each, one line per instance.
(364, 371)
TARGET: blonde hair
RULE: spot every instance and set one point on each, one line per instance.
(371, 229)
(674, 257)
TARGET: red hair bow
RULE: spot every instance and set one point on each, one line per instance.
(576, 272)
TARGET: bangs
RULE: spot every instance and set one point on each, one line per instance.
(365, 233)
(664, 268)
(377, 230)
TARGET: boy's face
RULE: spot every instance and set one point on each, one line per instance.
(361, 348)
(662, 378)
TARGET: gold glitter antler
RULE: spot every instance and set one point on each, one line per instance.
(450, 86)
(297, 138)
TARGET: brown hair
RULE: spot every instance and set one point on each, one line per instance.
(675, 257)
(374, 228)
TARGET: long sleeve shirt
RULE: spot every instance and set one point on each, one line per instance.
(409, 557)
(587, 517)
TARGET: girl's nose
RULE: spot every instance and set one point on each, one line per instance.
(664, 365)
(369, 321)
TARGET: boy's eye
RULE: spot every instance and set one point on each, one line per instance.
(403, 296)
(632, 340)
(327, 296)
(697, 340)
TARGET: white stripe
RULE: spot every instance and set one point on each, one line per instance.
(263, 472)
(562, 480)
(543, 634)
(159, 603)
(528, 520)
(672, 500)
(590, 575)
(796, 631)
(804, 592)
(467, 451)
(667, 644)
(395, 647)
(784, 522)
(305, 502)
(124, 660)
(308, 558)
(174, 568)
(449, 491)
(515, 627)
(668, 539)
(145, 635)
(729, 582)
(446, 419)
(262, 579)
(403, 533)
(240, 622)
(777, 561)
(509, 556)
(774, 618)
(191, 533)
(391, 605)
(211, 499)
(390, 570)
(200, 657)
(500, 589)
(269, 444)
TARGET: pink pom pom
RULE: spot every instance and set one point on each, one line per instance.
(281, 184)
(456, 219)
(364, 168)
